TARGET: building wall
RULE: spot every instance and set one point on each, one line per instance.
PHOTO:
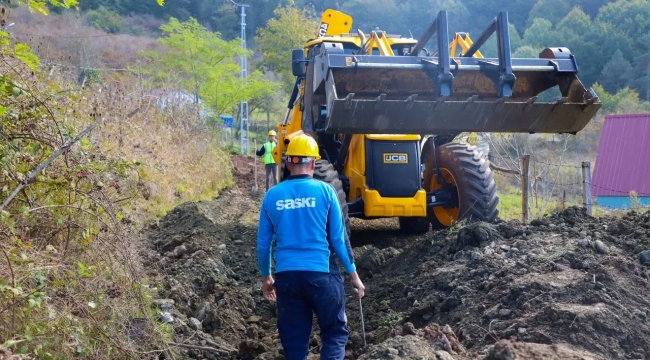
(620, 202)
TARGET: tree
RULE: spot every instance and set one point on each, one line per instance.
(576, 22)
(42, 5)
(552, 10)
(320, 5)
(639, 75)
(625, 100)
(632, 17)
(615, 73)
(415, 16)
(206, 65)
(289, 29)
(516, 40)
(196, 53)
(526, 52)
(383, 14)
(482, 12)
(586, 39)
(225, 20)
(105, 19)
(541, 34)
(591, 7)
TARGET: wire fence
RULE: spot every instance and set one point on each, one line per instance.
(533, 187)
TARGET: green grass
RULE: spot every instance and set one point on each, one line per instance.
(510, 206)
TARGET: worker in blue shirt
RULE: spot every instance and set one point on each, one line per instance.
(304, 217)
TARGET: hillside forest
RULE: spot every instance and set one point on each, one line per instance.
(586, 27)
(111, 116)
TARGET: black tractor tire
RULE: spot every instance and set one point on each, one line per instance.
(414, 225)
(477, 191)
(325, 172)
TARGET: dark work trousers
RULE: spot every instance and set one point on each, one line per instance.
(300, 294)
(271, 168)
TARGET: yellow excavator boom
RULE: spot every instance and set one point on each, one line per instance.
(334, 23)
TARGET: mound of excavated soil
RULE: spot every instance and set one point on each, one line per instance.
(243, 171)
(567, 286)
(565, 279)
(204, 257)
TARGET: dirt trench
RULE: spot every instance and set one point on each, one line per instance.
(567, 286)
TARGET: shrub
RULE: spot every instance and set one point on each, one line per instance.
(71, 281)
(105, 19)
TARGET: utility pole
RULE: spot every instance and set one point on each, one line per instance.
(243, 107)
(268, 117)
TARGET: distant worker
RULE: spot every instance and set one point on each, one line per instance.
(304, 217)
(269, 163)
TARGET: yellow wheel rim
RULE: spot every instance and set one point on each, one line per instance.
(446, 216)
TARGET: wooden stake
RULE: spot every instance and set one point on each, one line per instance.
(586, 186)
(525, 187)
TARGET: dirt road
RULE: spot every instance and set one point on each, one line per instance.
(568, 286)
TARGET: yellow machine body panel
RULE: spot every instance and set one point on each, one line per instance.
(377, 206)
(374, 204)
(355, 167)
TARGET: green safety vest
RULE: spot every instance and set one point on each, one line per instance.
(268, 153)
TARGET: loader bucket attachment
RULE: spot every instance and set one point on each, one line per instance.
(447, 95)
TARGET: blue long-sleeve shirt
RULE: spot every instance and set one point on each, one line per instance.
(304, 217)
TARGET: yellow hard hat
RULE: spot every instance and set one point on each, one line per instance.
(301, 148)
(272, 132)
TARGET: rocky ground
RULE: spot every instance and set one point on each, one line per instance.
(567, 286)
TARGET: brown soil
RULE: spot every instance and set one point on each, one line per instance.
(567, 286)
(243, 170)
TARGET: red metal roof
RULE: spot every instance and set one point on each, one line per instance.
(623, 160)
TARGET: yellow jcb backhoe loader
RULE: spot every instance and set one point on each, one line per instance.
(385, 113)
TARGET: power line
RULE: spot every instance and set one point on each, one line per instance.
(64, 37)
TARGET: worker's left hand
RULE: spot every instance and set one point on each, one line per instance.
(267, 288)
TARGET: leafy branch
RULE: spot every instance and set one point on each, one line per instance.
(29, 179)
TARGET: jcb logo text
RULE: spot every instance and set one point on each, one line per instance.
(396, 158)
(323, 29)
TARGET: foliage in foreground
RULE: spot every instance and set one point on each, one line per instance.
(71, 283)
(70, 280)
